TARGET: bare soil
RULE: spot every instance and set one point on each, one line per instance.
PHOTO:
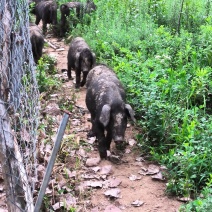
(124, 183)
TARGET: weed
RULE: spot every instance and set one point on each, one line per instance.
(167, 77)
(45, 69)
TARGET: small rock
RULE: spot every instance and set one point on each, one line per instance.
(92, 161)
(137, 203)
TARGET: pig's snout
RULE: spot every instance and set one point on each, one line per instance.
(120, 143)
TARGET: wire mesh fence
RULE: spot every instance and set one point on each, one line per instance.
(19, 105)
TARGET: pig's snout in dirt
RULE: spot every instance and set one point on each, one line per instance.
(120, 143)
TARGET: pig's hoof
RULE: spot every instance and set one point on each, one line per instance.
(63, 70)
(103, 155)
(90, 134)
(82, 84)
(114, 159)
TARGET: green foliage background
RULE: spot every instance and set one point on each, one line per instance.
(164, 58)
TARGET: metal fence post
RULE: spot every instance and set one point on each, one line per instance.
(49, 168)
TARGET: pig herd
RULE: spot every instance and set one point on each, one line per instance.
(105, 95)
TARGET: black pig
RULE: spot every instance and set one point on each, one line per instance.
(89, 7)
(37, 42)
(105, 100)
(81, 59)
(80, 10)
(47, 12)
(65, 12)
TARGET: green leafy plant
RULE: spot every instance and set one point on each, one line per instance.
(45, 71)
(167, 77)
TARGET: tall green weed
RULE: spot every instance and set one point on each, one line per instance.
(167, 77)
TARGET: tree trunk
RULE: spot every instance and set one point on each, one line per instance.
(179, 20)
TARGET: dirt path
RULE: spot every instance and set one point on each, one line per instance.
(78, 181)
(124, 178)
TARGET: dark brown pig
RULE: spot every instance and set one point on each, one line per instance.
(65, 12)
(80, 9)
(47, 12)
(81, 59)
(37, 42)
(105, 100)
(89, 7)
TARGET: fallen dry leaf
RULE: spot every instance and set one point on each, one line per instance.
(75, 122)
(132, 142)
(104, 177)
(42, 135)
(69, 200)
(25, 136)
(137, 203)
(72, 153)
(95, 184)
(158, 176)
(41, 153)
(91, 140)
(89, 176)
(163, 168)
(48, 148)
(114, 182)
(92, 161)
(112, 208)
(127, 151)
(108, 153)
(152, 169)
(106, 170)
(96, 169)
(58, 205)
(40, 171)
(139, 159)
(115, 192)
(60, 180)
(82, 152)
(81, 188)
(142, 172)
(48, 191)
(184, 199)
(144, 169)
(69, 173)
(52, 109)
(134, 177)
(78, 140)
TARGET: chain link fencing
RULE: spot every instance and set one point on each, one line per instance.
(19, 106)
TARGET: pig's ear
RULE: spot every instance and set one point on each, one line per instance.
(130, 111)
(105, 115)
(77, 59)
